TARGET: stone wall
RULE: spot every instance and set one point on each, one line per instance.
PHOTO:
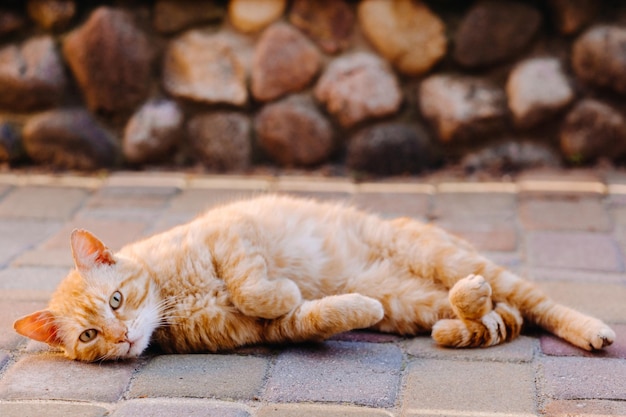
(380, 86)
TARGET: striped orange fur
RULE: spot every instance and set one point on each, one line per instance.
(277, 270)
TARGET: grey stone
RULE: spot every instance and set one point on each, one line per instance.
(222, 140)
(598, 57)
(511, 156)
(358, 86)
(390, 149)
(69, 139)
(153, 132)
(177, 408)
(50, 409)
(116, 78)
(357, 373)
(494, 31)
(462, 107)
(31, 75)
(293, 132)
(592, 130)
(284, 61)
(220, 376)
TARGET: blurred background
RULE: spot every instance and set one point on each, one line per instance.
(339, 87)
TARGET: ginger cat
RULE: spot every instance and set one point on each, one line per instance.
(278, 269)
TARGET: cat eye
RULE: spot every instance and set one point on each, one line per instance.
(88, 335)
(116, 300)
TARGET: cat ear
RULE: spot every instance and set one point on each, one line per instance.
(88, 251)
(39, 326)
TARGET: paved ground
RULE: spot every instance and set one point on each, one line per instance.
(567, 231)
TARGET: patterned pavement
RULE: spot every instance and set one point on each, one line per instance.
(565, 230)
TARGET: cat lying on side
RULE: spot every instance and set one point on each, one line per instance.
(278, 270)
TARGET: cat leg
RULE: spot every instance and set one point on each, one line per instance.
(480, 323)
(316, 320)
(255, 295)
(577, 328)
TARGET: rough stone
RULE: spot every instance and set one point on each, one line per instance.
(494, 31)
(328, 23)
(206, 68)
(358, 86)
(10, 142)
(31, 75)
(51, 14)
(461, 107)
(152, 132)
(69, 139)
(221, 140)
(52, 410)
(598, 57)
(116, 78)
(537, 89)
(405, 32)
(293, 132)
(593, 129)
(511, 156)
(390, 149)
(253, 15)
(10, 21)
(570, 16)
(180, 407)
(284, 61)
(171, 16)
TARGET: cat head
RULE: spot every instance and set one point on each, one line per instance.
(106, 308)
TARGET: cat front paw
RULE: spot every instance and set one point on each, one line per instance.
(603, 337)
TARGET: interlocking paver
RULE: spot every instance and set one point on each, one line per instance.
(18, 235)
(53, 377)
(585, 214)
(573, 378)
(10, 310)
(126, 203)
(29, 283)
(604, 301)
(574, 250)
(316, 410)
(492, 236)
(591, 408)
(520, 350)
(358, 373)
(491, 206)
(553, 346)
(53, 203)
(443, 387)
(573, 275)
(51, 409)
(178, 408)
(213, 376)
(393, 205)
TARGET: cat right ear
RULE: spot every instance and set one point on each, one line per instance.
(39, 326)
(88, 251)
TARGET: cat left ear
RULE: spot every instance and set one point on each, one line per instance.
(39, 326)
(88, 251)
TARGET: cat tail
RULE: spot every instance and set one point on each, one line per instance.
(317, 320)
(500, 325)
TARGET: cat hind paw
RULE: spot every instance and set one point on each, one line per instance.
(604, 337)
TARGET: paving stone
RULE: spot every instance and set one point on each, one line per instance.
(553, 346)
(490, 206)
(196, 201)
(177, 408)
(574, 250)
(591, 408)
(392, 205)
(520, 350)
(56, 250)
(315, 410)
(586, 214)
(9, 312)
(604, 301)
(29, 283)
(572, 275)
(128, 203)
(367, 337)
(495, 236)
(219, 376)
(4, 358)
(584, 378)
(40, 376)
(18, 235)
(358, 373)
(51, 409)
(52, 203)
(443, 387)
